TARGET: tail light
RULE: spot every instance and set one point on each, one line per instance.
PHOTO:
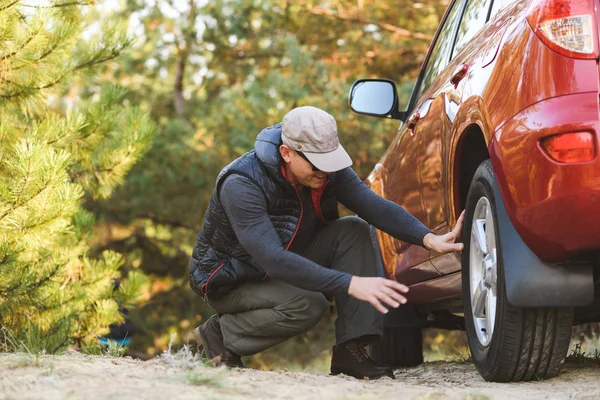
(570, 147)
(566, 26)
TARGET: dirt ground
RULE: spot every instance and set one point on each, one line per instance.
(76, 376)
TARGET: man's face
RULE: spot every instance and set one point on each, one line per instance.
(301, 170)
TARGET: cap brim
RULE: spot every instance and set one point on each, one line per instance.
(330, 162)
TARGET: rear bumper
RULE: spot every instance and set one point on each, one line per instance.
(554, 207)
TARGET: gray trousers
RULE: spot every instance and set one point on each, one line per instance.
(259, 315)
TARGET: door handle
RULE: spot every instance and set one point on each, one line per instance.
(460, 73)
(412, 121)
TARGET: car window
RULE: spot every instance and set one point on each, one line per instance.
(474, 18)
(440, 55)
(499, 5)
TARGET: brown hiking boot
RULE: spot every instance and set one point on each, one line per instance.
(210, 338)
(351, 358)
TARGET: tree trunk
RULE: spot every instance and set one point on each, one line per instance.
(179, 101)
(183, 51)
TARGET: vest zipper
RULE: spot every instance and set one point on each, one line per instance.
(297, 226)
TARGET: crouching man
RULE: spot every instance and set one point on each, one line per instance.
(272, 244)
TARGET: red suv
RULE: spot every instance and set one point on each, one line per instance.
(503, 122)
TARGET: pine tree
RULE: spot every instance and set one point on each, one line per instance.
(56, 150)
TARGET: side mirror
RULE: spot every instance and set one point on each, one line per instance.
(376, 97)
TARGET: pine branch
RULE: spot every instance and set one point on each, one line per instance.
(111, 170)
(89, 63)
(16, 203)
(95, 61)
(9, 5)
(26, 88)
(12, 95)
(20, 193)
(47, 304)
(40, 58)
(36, 285)
(37, 224)
(20, 48)
(66, 135)
(48, 300)
(70, 4)
(81, 138)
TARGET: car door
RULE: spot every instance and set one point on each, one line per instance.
(400, 184)
(401, 174)
(435, 131)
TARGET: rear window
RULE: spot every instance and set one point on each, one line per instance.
(440, 55)
(474, 18)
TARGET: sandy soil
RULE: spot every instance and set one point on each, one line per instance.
(76, 376)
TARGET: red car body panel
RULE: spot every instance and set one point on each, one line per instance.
(516, 92)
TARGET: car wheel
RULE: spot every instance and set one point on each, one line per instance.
(507, 343)
(400, 347)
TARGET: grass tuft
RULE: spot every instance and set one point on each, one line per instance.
(198, 371)
(10, 343)
(25, 357)
(183, 358)
(581, 359)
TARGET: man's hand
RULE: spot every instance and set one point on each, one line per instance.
(445, 243)
(378, 290)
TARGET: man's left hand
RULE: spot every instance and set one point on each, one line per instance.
(445, 243)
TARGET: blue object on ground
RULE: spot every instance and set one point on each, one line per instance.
(120, 342)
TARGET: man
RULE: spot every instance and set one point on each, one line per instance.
(272, 244)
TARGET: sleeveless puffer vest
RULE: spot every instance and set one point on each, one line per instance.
(219, 263)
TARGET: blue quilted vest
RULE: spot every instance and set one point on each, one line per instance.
(219, 263)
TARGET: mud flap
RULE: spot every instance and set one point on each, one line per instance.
(531, 282)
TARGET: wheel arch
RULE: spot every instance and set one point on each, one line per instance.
(470, 151)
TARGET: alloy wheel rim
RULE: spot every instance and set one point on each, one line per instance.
(483, 271)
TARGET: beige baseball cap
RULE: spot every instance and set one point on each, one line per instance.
(314, 132)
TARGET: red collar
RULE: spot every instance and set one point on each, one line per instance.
(284, 173)
(315, 195)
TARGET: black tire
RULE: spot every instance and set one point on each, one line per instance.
(526, 343)
(400, 347)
